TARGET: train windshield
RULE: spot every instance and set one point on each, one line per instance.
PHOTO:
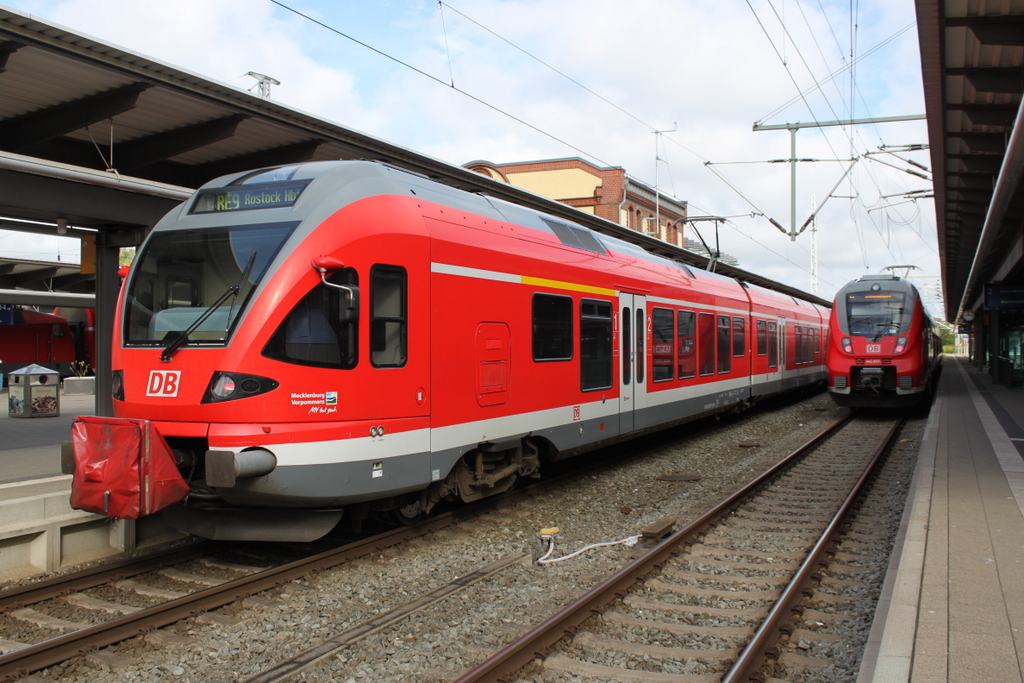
(877, 314)
(198, 281)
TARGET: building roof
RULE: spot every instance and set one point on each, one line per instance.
(971, 69)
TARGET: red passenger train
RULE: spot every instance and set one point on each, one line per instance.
(884, 351)
(345, 337)
(28, 336)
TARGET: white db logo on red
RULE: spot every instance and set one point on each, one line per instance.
(874, 348)
(163, 383)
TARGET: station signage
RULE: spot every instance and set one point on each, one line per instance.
(248, 197)
(1000, 297)
(6, 314)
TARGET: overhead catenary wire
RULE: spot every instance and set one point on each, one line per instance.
(423, 73)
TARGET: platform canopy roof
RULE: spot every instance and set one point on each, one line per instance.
(972, 61)
(74, 107)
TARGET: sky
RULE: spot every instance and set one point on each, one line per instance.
(520, 80)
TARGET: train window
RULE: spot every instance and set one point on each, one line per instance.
(762, 338)
(202, 277)
(388, 343)
(595, 345)
(817, 341)
(641, 331)
(663, 323)
(773, 345)
(573, 236)
(641, 357)
(552, 327)
(686, 330)
(724, 344)
(314, 332)
(798, 344)
(739, 337)
(706, 347)
(627, 346)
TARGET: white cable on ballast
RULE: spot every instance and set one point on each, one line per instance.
(630, 541)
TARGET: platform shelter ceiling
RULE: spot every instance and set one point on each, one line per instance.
(972, 60)
(69, 99)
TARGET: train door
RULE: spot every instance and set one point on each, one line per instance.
(633, 362)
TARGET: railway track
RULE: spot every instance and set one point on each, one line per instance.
(120, 627)
(711, 601)
(137, 595)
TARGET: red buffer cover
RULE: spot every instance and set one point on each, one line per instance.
(123, 468)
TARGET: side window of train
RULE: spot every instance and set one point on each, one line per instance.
(762, 338)
(798, 344)
(663, 324)
(773, 345)
(739, 337)
(319, 331)
(595, 345)
(552, 327)
(388, 295)
(686, 331)
(724, 344)
(706, 345)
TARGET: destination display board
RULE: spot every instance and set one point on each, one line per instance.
(248, 197)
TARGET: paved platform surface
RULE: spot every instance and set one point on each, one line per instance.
(30, 447)
(953, 605)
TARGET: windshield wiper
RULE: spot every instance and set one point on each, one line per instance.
(179, 341)
(884, 327)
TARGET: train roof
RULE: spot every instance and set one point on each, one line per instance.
(349, 181)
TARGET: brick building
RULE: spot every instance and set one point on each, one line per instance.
(605, 192)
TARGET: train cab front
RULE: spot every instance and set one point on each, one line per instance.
(237, 345)
(875, 356)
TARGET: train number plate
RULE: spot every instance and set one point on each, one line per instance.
(873, 348)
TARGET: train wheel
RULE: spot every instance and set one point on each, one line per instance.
(408, 514)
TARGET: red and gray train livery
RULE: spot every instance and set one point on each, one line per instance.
(884, 350)
(347, 338)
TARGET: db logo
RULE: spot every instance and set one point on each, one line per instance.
(163, 383)
(874, 348)
(575, 413)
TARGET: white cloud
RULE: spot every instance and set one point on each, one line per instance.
(705, 66)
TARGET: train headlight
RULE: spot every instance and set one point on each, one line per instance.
(901, 345)
(228, 386)
(117, 385)
(223, 387)
(847, 344)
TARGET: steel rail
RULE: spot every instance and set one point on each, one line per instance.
(537, 641)
(61, 648)
(749, 661)
(57, 586)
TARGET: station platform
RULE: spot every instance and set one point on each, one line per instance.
(952, 607)
(39, 530)
(30, 446)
